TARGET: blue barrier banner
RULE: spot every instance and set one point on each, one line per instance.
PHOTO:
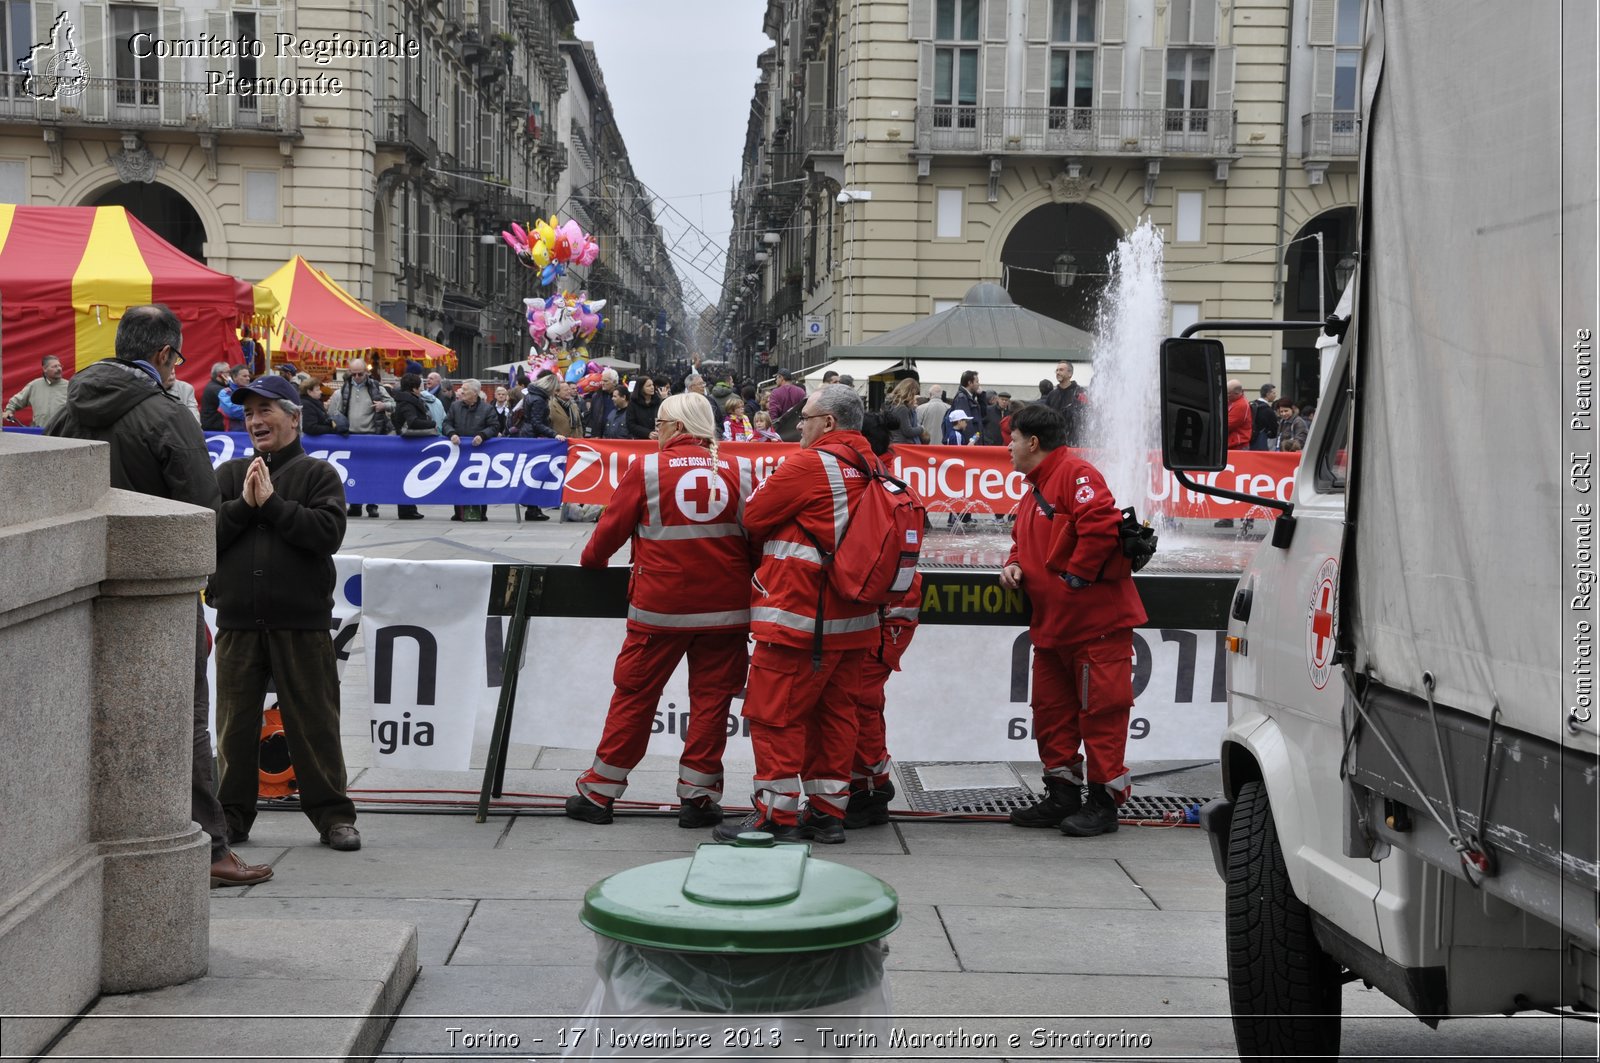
(395, 470)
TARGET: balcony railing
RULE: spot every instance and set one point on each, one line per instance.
(822, 131)
(1330, 134)
(1073, 131)
(130, 104)
(401, 123)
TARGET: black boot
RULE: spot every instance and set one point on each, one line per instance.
(581, 808)
(1061, 799)
(868, 808)
(821, 827)
(702, 813)
(1098, 816)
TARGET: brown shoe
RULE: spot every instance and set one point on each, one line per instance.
(232, 871)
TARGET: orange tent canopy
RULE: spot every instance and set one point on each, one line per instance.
(323, 326)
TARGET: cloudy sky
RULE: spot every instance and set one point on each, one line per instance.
(680, 75)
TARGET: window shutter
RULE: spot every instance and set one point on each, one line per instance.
(925, 84)
(1178, 22)
(1036, 82)
(220, 105)
(170, 71)
(268, 107)
(96, 102)
(1152, 78)
(1322, 62)
(1203, 22)
(994, 80)
(1110, 80)
(1222, 80)
(816, 86)
(1320, 24)
(994, 20)
(1038, 21)
(1113, 21)
(919, 26)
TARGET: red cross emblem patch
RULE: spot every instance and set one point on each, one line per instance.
(1321, 615)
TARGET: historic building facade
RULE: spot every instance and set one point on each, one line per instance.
(901, 150)
(388, 143)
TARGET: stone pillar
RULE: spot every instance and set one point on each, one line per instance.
(103, 884)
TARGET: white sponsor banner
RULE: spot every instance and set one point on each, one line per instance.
(346, 622)
(1179, 712)
(424, 633)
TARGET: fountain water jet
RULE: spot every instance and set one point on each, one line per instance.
(1124, 409)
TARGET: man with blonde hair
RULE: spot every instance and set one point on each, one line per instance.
(680, 508)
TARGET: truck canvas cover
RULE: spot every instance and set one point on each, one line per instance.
(1477, 271)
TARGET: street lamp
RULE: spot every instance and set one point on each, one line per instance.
(1342, 272)
(1066, 270)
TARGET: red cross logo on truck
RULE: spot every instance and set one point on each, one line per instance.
(1320, 623)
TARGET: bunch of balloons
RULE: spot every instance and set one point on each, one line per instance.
(551, 248)
(557, 320)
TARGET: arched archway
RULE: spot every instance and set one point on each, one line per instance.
(161, 208)
(1054, 261)
(1311, 291)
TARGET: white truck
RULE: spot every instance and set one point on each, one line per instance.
(1411, 767)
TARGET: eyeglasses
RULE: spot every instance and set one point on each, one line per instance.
(812, 416)
(177, 355)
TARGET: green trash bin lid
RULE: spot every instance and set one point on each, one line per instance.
(751, 897)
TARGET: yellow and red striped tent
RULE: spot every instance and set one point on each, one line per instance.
(68, 273)
(322, 326)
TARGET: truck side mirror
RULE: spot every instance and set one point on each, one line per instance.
(1194, 410)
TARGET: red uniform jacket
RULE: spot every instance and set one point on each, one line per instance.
(1081, 539)
(691, 561)
(899, 621)
(1241, 425)
(806, 494)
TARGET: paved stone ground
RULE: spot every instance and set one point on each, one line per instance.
(1002, 927)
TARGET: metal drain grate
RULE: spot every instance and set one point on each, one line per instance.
(964, 788)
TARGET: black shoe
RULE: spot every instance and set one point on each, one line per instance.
(727, 833)
(412, 515)
(1061, 799)
(1097, 816)
(353, 511)
(343, 837)
(821, 827)
(581, 808)
(372, 511)
(868, 808)
(692, 815)
(537, 514)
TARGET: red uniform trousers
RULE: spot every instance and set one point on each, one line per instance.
(1082, 694)
(802, 728)
(871, 768)
(717, 662)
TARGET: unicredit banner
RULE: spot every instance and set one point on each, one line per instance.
(392, 469)
(961, 478)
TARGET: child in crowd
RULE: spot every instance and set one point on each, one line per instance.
(762, 425)
(737, 428)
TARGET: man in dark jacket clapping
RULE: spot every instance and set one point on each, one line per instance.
(474, 420)
(282, 519)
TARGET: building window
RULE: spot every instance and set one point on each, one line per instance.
(16, 37)
(1347, 38)
(955, 66)
(1184, 315)
(13, 181)
(1188, 89)
(261, 196)
(136, 77)
(1191, 211)
(245, 28)
(947, 225)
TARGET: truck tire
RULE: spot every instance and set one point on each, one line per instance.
(1284, 990)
